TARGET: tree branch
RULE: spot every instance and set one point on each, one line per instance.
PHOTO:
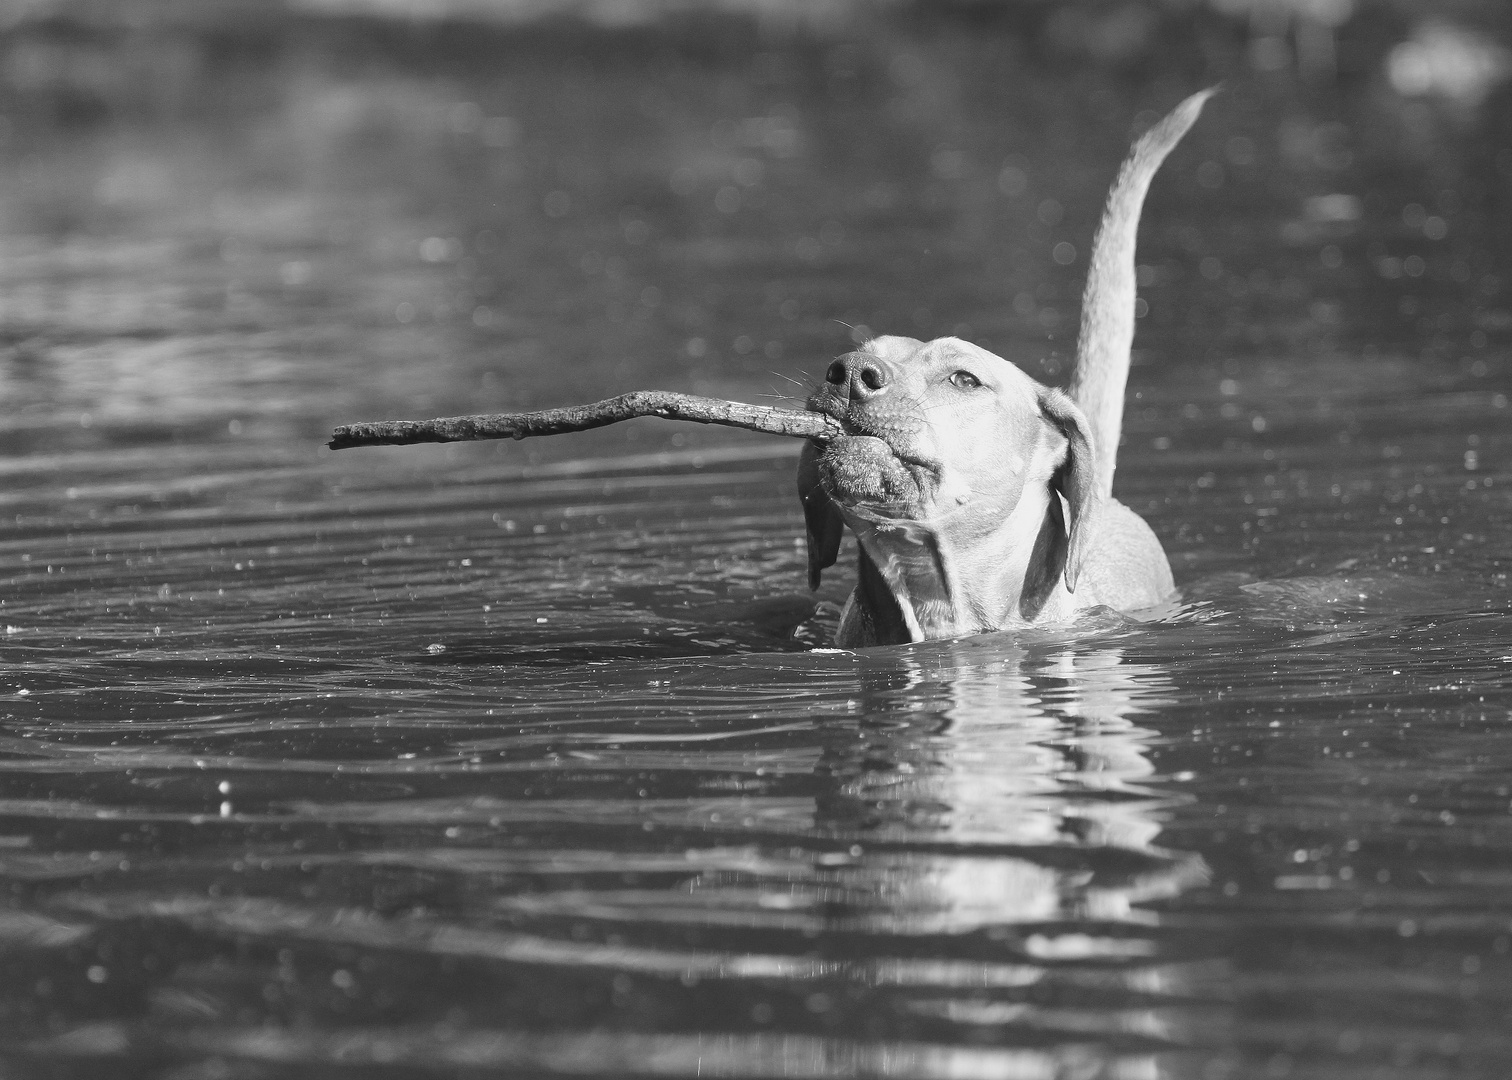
(667, 405)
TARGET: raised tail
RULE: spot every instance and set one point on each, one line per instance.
(1107, 320)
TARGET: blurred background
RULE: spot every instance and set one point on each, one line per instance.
(233, 220)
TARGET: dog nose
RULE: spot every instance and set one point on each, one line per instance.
(858, 376)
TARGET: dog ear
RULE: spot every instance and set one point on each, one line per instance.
(1076, 479)
(821, 518)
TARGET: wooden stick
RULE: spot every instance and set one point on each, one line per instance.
(667, 405)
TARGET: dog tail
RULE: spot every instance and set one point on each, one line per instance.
(1107, 318)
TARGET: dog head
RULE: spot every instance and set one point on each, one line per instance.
(944, 441)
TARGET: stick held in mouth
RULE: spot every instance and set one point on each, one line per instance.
(662, 403)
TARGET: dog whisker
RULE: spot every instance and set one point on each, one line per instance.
(788, 378)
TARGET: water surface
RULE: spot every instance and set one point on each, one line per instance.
(529, 759)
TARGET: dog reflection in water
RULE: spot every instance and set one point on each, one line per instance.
(1028, 768)
(1007, 814)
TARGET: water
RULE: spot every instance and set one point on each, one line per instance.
(527, 759)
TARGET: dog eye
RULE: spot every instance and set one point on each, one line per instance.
(965, 380)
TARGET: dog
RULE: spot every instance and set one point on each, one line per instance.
(981, 498)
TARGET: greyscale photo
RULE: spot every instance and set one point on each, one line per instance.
(822, 539)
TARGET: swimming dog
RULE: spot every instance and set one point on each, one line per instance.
(981, 498)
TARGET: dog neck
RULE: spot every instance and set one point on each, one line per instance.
(933, 579)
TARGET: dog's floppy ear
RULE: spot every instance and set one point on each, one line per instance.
(821, 518)
(1076, 479)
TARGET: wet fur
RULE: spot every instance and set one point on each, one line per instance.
(981, 498)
